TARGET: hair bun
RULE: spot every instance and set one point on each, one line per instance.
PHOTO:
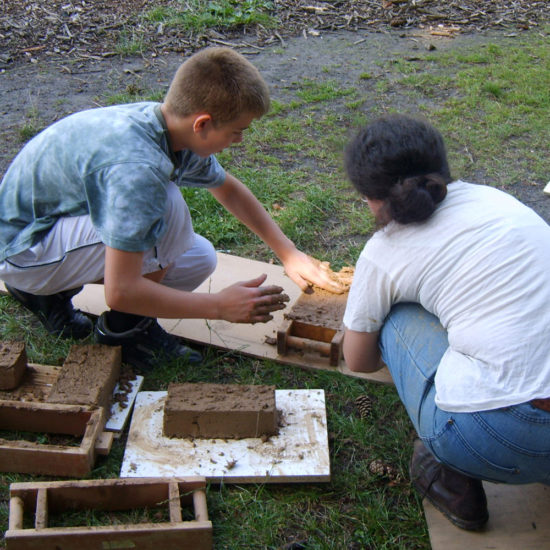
(415, 198)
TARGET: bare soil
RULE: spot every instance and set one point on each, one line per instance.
(60, 57)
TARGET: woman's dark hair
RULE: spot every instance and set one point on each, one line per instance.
(402, 161)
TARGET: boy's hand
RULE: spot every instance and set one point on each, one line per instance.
(249, 302)
(306, 271)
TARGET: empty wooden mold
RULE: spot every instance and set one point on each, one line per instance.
(52, 459)
(44, 499)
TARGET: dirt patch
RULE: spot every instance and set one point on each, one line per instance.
(338, 42)
(31, 30)
(225, 411)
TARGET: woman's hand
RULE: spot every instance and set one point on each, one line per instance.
(306, 271)
(249, 302)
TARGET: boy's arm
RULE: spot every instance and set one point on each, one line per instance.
(361, 351)
(300, 267)
(127, 290)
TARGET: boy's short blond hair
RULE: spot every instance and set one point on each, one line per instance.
(218, 81)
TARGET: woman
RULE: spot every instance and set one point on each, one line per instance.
(452, 294)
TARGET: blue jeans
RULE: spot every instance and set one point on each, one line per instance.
(508, 445)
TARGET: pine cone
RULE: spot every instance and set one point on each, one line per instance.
(377, 467)
(364, 405)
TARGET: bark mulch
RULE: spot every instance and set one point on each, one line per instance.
(93, 29)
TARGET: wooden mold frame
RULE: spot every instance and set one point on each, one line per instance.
(44, 498)
(56, 460)
(302, 337)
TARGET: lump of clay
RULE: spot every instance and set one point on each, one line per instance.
(88, 376)
(225, 411)
(13, 364)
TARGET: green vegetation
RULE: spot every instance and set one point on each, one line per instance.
(491, 102)
(130, 43)
(199, 15)
(32, 125)
(133, 94)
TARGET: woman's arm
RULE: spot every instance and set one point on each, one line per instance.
(361, 351)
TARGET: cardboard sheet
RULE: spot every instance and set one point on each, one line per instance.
(245, 338)
(300, 452)
(519, 519)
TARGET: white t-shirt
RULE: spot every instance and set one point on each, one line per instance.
(481, 264)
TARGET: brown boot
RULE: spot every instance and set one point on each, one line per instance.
(459, 497)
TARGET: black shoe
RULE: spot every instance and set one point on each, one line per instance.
(459, 497)
(56, 312)
(146, 344)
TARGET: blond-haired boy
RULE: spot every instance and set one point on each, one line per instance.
(95, 197)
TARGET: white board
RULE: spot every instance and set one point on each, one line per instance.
(119, 414)
(299, 453)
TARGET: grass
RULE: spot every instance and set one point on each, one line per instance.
(31, 126)
(491, 101)
(200, 15)
(494, 102)
(130, 43)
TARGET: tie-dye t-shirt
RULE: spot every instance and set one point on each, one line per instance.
(112, 163)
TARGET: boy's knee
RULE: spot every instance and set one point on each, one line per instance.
(191, 269)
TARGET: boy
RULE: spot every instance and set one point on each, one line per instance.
(95, 198)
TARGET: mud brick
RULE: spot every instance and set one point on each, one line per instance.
(13, 363)
(225, 411)
(88, 376)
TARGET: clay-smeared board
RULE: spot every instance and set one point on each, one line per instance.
(245, 338)
(298, 454)
(119, 414)
(519, 519)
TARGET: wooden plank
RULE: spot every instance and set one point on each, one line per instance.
(147, 536)
(37, 458)
(519, 518)
(106, 494)
(174, 503)
(199, 504)
(104, 443)
(41, 514)
(44, 417)
(119, 413)
(299, 453)
(103, 494)
(16, 513)
(28, 458)
(37, 385)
